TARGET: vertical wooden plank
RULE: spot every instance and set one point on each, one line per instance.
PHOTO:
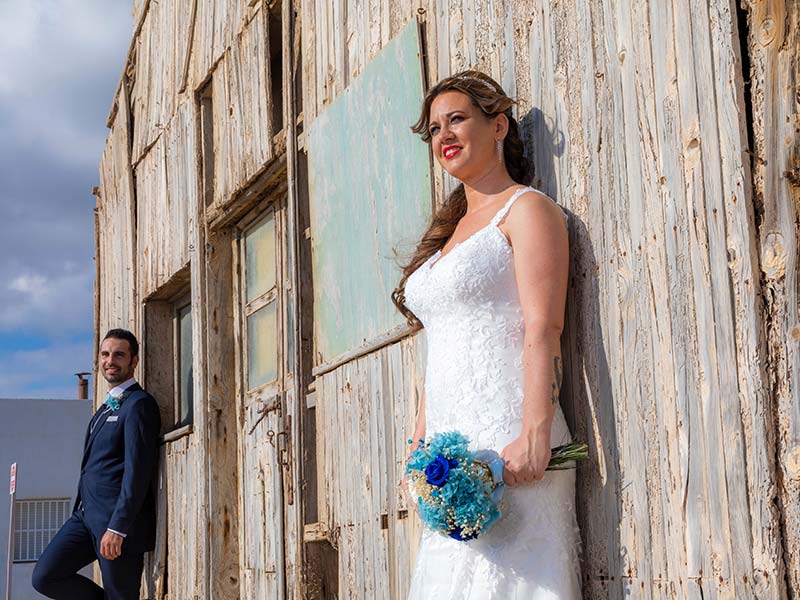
(372, 29)
(443, 66)
(460, 40)
(201, 61)
(620, 238)
(353, 43)
(669, 360)
(339, 53)
(324, 59)
(310, 68)
(773, 45)
(166, 188)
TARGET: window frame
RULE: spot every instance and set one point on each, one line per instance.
(245, 309)
(180, 303)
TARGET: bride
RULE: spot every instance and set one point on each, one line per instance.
(488, 283)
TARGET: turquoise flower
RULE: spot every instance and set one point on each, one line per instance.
(113, 403)
(457, 492)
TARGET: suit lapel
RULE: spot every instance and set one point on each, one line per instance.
(98, 423)
(92, 433)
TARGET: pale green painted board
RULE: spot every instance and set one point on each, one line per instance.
(370, 193)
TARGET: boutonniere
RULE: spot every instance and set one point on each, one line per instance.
(113, 402)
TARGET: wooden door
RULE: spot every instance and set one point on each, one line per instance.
(261, 396)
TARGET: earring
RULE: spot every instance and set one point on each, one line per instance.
(499, 151)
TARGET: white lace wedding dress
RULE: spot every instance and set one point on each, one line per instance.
(469, 305)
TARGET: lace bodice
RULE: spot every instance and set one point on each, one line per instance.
(468, 302)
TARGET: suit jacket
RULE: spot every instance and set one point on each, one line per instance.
(120, 458)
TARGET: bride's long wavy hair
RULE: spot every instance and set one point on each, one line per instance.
(487, 95)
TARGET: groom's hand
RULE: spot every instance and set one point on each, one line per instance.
(111, 545)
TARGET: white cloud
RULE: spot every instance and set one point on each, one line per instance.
(52, 53)
(61, 60)
(45, 373)
(35, 285)
(54, 304)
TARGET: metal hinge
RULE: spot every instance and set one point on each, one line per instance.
(285, 459)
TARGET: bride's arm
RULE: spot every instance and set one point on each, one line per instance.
(540, 240)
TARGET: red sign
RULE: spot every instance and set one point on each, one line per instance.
(13, 485)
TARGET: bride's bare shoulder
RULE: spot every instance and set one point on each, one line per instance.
(535, 213)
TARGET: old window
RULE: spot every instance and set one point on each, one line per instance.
(184, 396)
(275, 24)
(260, 310)
(36, 522)
(168, 354)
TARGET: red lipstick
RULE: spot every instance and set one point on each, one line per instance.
(450, 151)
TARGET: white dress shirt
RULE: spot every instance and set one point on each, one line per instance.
(117, 391)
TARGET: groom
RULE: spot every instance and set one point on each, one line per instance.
(114, 516)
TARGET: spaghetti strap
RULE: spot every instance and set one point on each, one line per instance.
(503, 211)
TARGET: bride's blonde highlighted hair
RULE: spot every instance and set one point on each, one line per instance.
(487, 95)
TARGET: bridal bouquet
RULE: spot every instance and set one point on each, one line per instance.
(458, 491)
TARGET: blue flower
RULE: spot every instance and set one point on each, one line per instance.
(456, 535)
(113, 403)
(438, 470)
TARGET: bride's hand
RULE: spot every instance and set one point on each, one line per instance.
(526, 458)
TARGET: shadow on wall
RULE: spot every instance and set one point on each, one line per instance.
(544, 142)
(587, 395)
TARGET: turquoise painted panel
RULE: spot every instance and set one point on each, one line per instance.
(260, 261)
(262, 346)
(370, 194)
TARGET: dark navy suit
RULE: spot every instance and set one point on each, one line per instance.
(115, 491)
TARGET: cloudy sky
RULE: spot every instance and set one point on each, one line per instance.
(60, 61)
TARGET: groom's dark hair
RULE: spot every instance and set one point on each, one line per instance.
(124, 334)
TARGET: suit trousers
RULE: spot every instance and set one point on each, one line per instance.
(74, 547)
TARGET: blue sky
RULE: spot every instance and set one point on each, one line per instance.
(60, 61)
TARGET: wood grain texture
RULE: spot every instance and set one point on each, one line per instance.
(157, 70)
(773, 42)
(365, 411)
(186, 531)
(220, 374)
(167, 191)
(115, 287)
(241, 110)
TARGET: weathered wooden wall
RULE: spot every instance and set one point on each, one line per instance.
(634, 117)
(166, 202)
(241, 91)
(152, 242)
(365, 410)
(682, 320)
(773, 43)
(165, 167)
(116, 242)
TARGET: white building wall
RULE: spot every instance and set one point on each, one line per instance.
(45, 439)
